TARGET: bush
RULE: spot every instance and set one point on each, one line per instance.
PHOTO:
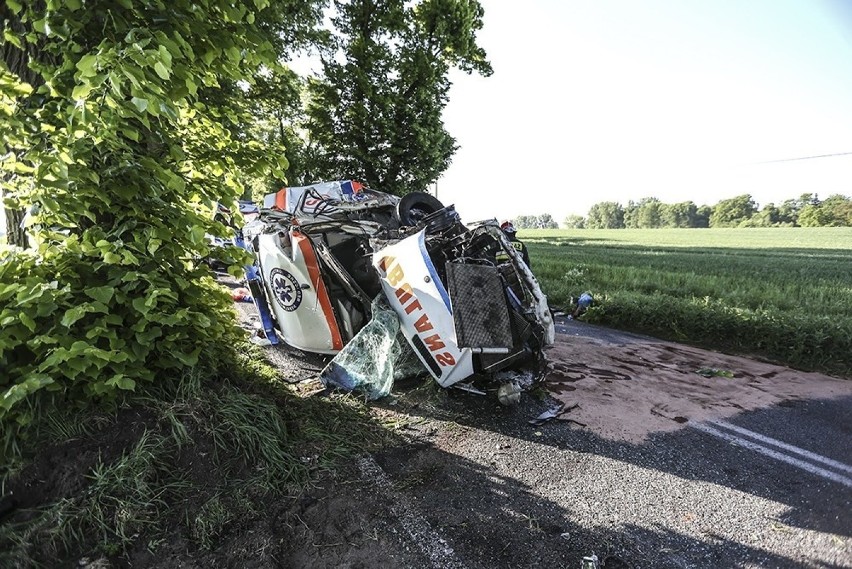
(75, 325)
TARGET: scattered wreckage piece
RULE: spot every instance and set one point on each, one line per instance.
(375, 279)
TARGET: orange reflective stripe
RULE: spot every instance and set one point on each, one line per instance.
(316, 280)
(281, 199)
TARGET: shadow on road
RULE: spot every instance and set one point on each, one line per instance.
(503, 522)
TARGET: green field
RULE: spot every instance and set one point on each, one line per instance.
(781, 293)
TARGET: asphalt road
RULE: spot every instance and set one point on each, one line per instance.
(770, 487)
(473, 484)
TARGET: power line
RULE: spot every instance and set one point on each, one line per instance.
(803, 158)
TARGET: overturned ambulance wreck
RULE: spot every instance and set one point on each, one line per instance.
(393, 287)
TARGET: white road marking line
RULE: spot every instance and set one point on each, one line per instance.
(734, 439)
(433, 546)
(780, 444)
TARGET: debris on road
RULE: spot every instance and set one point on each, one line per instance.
(713, 372)
(241, 295)
(509, 393)
(552, 414)
(590, 562)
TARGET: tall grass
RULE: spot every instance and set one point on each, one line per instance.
(781, 293)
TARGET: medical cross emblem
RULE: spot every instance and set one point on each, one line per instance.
(286, 289)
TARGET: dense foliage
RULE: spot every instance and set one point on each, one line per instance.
(740, 211)
(777, 293)
(116, 128)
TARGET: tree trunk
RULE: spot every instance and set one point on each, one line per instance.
(17, 61)
(14, 232)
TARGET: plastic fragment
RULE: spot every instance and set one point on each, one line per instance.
(469, 388)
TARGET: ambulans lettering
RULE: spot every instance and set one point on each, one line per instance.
(446, 359)
(423, 324)
(434, 343)
(404, 293)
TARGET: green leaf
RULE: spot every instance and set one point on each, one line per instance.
(26, 296)
(15, 6)
(165, 56)
(129, 258)
(72, 315)
(13, 39)
(233, 53)
(140, 104)
(113, 319)
(189, 359)
(82, 91)
(27, 321)
(130, 133)
(139, 305)
(101, 293)
(161, 70)
(149, 335)
(87, 64)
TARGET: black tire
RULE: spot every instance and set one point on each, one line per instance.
(413, 207)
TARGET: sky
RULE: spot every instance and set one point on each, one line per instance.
(616, 100)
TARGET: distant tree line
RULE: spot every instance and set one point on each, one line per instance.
(741, 211)
(543, 221)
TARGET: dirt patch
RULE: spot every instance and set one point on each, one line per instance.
(627, 391)
(338, 523)
(217, 517)
(61, 470)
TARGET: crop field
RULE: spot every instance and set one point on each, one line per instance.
(784, 294)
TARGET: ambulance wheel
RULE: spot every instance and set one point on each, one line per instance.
(413, 207)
